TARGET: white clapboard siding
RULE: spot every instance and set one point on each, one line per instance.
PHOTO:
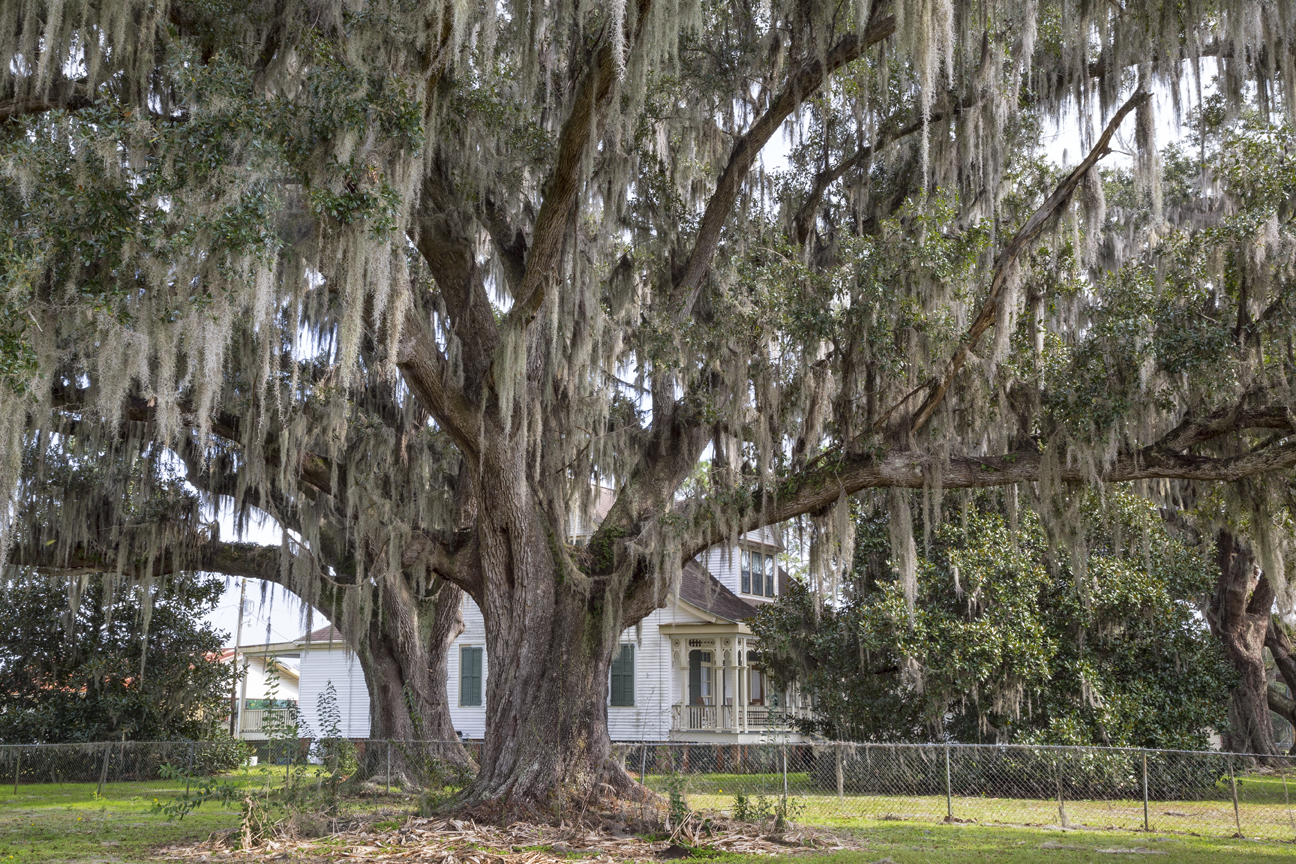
(325, 662)
(469, 720)
(257, 681)
(656, 684)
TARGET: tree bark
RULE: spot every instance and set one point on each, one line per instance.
(1278, 641)
(550, 639)
(402, 649)
(1239, 617)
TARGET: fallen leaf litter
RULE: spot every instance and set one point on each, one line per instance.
(451, 841)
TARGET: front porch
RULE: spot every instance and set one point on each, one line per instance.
(257, 724)
(722, 695)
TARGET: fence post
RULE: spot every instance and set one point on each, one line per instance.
(189, 767)
(949, 797)
(785, 773)
(387, 788)
(841, 779)
(103, 772)
(1062, 817)
(18, 770)
(643, 764)
(1145, 793)
(1237, 815)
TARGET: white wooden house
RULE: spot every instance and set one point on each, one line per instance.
(269, 684)
(689, 672)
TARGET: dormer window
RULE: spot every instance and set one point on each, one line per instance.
(757, 573)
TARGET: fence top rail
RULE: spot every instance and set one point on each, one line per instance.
(208, 743)
(956, 745)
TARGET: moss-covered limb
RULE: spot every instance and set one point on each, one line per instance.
(818, 488)
(592, 91)
(800, 86)
(1026, 235)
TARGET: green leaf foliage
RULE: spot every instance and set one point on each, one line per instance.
(86, 670)
(1006, 643)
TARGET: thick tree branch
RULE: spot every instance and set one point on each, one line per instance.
(820, 486)
(593, 92)
(63, 95)
(428, 375)
(803, 84)
(1003, 267)
(315, 470)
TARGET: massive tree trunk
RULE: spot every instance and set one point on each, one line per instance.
(550, 640)
(402, 649)
(1239, 617)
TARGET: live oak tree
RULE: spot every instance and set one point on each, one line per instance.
(410, 277)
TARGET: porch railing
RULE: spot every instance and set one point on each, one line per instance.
(730, 718)
(255, 719)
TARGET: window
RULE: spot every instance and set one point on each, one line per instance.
(700, 678)
(758, 574)
(470, 676)
(622, 686)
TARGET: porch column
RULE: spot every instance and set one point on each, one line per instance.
(743, 685)
(681, 665)
(729, 695)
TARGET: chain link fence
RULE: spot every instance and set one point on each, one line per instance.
(119, 770)
(842, 784)
(128, 770)
(831, 784)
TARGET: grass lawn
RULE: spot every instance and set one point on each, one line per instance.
(1266, 808)
(70, 823)
(65, 822)
(965, 844)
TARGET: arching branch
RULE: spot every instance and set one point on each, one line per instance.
(804, 219)
(808, 78)
(821, 485)
(560, 190)
(1003, 267)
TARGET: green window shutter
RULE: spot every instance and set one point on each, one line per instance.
(622, 685)
(470, 676)
(769, 575)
